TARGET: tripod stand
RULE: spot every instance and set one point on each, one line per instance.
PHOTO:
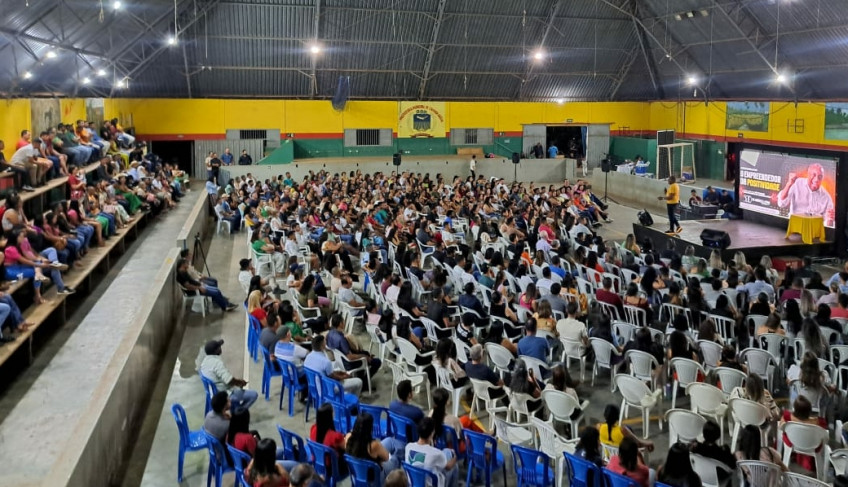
(198, 250)
(606, 165)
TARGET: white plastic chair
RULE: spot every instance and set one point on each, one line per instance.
(462, 350)
(418, 380)
(514, 434)
(777, 345)
(687, 373)
(519, 405)
(604, 351)
(636, 316)
(481, 392)
(628, 276)
(222, 221)
(443, 379)
(745, 412)
(196, 300)
(376, 339)
(806, 439)
(711, 352)
(500, 358)
(730, 379)
(684, 425)
(553, 445)
(725, 327)
(839, 460)
(561, 406)
(759, 474)
(708, 401)
(624, 330)
(669, 311)
(642, 366)
(760, 362)
(637, 395)
(800, 480)
(573, 349)
(408, 351)
(433, 330)
(707, 469)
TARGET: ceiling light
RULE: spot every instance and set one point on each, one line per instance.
(86, 80)
(780, 78)
(315, 48)
(692, 80)
(27, 75)
(51, 54)
(101, 72)
(690, 14)
(116, 5)
(560, 101)
(172, 40)
(121, 83)
(539, 54)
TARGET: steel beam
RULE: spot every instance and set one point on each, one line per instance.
(650, 64)
(629, 61)
(316, 23)
(431, 51)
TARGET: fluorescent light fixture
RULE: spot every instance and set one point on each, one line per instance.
(86, 80)
(172, 41)
(692, 80)
(315, 48)
(690, 14)
(101, 72)
(51, 55)
(539, 54)
(121, 83)
(116, 5)
(27, 74)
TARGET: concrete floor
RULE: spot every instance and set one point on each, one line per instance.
(154, 463)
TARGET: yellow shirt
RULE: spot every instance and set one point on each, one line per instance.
(672, 194)
(617, 435)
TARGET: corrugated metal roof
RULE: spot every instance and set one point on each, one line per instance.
(483, 49)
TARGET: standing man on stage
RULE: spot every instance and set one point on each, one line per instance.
(672, 199)
(472, 165)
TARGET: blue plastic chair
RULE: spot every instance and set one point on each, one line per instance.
(532, 467)
(211, 390)
(483, 456)
(293, 448)
(364, 473)
(240, 462)
(615, 480)
(189, 440)
(660, 484)
(291, 381)
(420, 477)
(218, 463)
(382, 425)
(253, 330)
(313, 384)
(325, 461)
(449, 439)
(341, 416)
(270, 369)
(333, 389)
(403, 428)
(581, 472)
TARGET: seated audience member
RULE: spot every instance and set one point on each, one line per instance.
(21, 174)
(710, 448)
(212, 367)
(317, 361)
(629, 462)
(532, 345)
(217, 421)
(612, 433)
(751, 448)
(192, 286)
(264, 469)
(589, 446)
(338, 342)
(677, 469)
(423, 454)
(477, 370)
(360, 443)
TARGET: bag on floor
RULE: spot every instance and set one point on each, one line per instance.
(645, 218)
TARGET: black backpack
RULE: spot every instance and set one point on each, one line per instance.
(645, 218)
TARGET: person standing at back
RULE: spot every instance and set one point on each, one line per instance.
(672, 199)
(472, 165)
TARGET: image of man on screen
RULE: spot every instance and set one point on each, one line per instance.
(806, 195)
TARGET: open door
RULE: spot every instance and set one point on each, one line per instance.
(597, 144)
(535, 133)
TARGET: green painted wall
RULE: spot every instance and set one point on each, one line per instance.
(281, 155)
(630, 147)
(505, 146)
(710, 159)
(424, 147)
(309, 148)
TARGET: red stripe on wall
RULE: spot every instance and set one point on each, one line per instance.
(777, 143)
(510, 134)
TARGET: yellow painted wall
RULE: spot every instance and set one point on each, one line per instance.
(710, 120)
(14, 117)
(73, 109)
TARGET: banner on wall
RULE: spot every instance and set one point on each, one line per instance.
(421, 119)
(836, 121)
(783, 184)
(748, 115)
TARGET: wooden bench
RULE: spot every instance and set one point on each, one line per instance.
(42, 192)
(469, 151)
(77, 278)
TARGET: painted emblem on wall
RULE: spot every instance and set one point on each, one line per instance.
(421, 119)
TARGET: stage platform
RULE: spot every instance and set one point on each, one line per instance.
(754, 239)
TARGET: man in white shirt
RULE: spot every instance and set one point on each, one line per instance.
(423, 454)
(213, 368)
(806, 195)
(317, 360)
(25, 158)
(291, 246)
(472, 165)
(346, 295)
(287, 350)
(545, 281)
(572, 329)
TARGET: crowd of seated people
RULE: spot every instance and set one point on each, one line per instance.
(523, 268)
(42, 247)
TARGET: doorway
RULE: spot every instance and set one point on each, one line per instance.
(568, 139)
(179, 153)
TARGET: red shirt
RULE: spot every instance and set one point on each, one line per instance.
(259, 314)
(837, 312)
(332, 439)
(245, 442)
(22, 143)
(640, 475)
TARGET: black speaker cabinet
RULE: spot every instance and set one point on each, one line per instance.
(396, 159)
(516, 158)
(716, 239)
(605, 165)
